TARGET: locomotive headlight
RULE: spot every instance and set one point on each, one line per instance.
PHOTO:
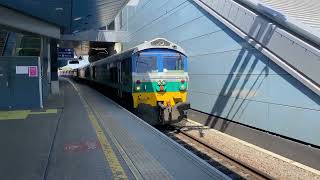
(138, 88)
(183, 87)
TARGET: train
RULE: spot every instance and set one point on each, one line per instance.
(151, 78)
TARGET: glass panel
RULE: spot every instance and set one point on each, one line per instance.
(28, 45)
(173, 63)
(147, 64)
(3, 39)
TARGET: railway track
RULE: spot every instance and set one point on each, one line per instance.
(228, 166)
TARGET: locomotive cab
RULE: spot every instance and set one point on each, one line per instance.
(160, 81)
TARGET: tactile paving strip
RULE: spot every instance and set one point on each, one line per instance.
(145, 163)
(148, 167)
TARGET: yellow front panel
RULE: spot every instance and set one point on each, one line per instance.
(152, 98)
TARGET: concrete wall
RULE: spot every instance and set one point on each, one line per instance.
(228, 77)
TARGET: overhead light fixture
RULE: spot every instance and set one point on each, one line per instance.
(77, 18)
(59, 9)
(76, 31)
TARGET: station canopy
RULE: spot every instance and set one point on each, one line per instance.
(71, 15)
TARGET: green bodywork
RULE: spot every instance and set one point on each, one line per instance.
(154, 87)
(147, 86)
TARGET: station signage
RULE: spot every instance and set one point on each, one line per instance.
(65, 52)
(31, 71)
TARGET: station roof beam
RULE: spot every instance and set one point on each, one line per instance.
(16, 20)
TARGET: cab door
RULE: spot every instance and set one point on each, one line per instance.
(4, 85)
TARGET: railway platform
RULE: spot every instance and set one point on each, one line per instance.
(81, 134)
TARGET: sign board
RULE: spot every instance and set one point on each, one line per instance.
(33, 71)
(65, 53)
(22, 69)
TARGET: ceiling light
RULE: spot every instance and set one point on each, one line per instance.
(76, 31)
(77, 18)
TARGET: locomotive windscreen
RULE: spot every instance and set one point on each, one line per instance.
(147, 64)
(173, 63)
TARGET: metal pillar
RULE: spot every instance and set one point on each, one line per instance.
(54, 67)
(44, 68)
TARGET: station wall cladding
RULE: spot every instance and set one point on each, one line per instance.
(228, 77)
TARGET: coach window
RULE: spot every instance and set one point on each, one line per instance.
(114, 72)
(94, 72)
(147, 64)
(87, 72)
(105, 71)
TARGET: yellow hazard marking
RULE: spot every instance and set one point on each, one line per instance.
(152, 98)
(116, 168)
(114, 163)
(48, 111)
(125, 157)
(23, 114)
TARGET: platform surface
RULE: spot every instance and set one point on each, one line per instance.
(84, 135)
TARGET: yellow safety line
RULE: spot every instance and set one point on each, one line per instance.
(116, 168)
(125, 157)
(23, 114)
(48, 111)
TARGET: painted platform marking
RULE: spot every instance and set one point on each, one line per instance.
(86, 146)
(116, 168)
(48, 111)
(111, 158)
(23, 114)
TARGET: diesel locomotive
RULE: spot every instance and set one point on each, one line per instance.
(151, 78)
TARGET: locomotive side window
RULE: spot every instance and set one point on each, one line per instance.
(172, 63)
(147, 64)
(126, 71)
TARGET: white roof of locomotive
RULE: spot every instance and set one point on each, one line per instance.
(153, 44)
(158, 43)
